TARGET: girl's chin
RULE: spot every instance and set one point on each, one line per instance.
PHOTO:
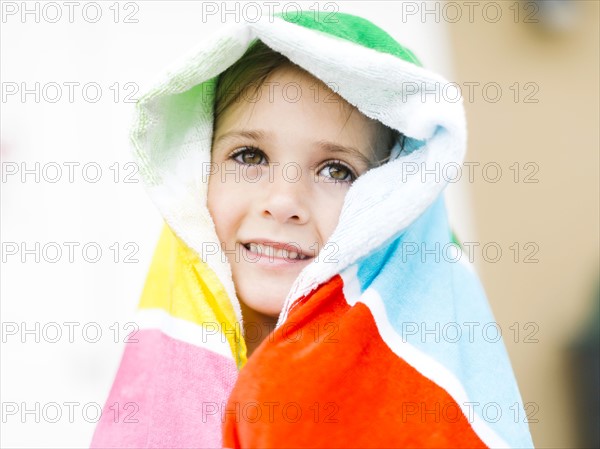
(269, 306)
(268, 310)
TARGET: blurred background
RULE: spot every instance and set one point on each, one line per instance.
(529, 74)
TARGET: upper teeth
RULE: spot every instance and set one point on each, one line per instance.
(274, 252)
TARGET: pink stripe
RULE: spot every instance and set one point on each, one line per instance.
(174, 391)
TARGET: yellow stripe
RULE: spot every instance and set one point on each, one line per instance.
(180, 283)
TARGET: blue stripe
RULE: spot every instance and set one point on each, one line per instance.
(429, 299)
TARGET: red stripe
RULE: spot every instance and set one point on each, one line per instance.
(329, 364)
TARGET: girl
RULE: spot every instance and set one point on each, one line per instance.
(303, 287)
(272, 223)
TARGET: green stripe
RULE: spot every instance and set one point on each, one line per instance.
(351, 28)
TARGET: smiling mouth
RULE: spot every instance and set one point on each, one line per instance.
(272, 252)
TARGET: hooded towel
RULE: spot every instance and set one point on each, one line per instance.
(391, 343)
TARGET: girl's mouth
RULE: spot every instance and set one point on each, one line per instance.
(272, 252)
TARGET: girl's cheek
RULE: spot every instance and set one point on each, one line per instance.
(328, 200)
(219, 198)
(228, 195)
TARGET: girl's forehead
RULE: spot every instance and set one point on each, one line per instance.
(290, 75)
(303, 122)
(290, 98)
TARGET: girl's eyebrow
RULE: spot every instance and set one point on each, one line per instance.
(325, 145)
(332, 147)
(249, 134)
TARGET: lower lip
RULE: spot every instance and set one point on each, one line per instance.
(264, 260)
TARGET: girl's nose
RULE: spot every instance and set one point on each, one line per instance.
(286, 200)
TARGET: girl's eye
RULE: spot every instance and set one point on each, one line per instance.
(338, 172)
(249, 156)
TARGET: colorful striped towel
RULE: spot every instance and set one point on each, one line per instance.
(387, 342)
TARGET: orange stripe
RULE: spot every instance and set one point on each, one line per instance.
(329, 363)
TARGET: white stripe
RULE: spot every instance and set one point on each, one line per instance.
(206, 337)
(422, 362)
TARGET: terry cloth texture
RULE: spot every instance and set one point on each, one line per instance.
(382, 345)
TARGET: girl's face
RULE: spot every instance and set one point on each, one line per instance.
(286, 156)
